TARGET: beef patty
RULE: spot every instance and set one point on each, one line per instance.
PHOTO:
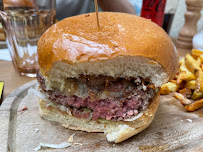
(105, 97)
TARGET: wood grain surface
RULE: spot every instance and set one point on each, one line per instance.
(173, 129)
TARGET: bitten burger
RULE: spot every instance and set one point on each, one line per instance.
(104, 79)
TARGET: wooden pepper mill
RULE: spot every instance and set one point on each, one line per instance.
(189, 29)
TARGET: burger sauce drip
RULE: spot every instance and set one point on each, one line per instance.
(96, 10)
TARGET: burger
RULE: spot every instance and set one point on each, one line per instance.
(107, 78)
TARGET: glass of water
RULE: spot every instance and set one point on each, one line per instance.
(24, 22)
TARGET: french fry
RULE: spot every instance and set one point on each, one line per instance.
(201, 66)
(185, 92)
(192, 64)
(199, 81)
(197, 95)
(196, 53)
(195, 105)
(191, 84)
(181, 61)
(164, 90)
(185, 73)
(168, 87)
(186, 76)
(183, 66)
(188, 81)
(182, 99)
(173, 81)
(199, 61)
(201, 57)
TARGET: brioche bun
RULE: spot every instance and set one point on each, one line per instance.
(124, 46)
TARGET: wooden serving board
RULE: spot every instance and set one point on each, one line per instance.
(173, 129)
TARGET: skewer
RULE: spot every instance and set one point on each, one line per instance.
(96, 10)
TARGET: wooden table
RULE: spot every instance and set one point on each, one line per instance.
(11, 78)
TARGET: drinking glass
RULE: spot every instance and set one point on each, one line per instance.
(24, 22)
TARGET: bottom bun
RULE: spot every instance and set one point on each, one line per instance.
(116, 131)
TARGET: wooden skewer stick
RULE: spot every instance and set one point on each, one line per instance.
(96, 10)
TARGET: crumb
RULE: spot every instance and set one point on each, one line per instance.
(36, 130)
(23, 109)
(86, 15)
(78, 144)
(70, 139)
(190, 120)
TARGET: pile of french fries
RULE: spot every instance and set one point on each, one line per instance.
(187, 86)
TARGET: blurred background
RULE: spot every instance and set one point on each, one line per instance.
(67, 8)
(88, 6)
(179, 20)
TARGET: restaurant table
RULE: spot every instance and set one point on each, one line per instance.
(11, 78)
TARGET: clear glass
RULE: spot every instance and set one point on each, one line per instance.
(24, 24)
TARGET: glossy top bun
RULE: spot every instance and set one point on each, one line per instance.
(122, 42)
